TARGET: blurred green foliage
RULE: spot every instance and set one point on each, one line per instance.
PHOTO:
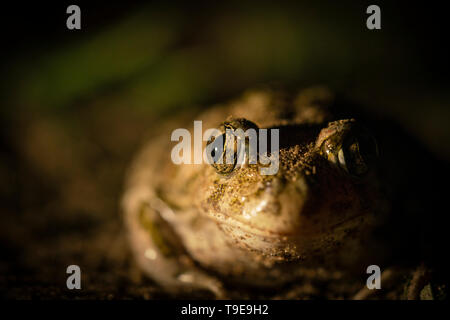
(147, 53)
(158, 59)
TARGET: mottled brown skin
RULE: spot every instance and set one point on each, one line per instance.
(192, 228)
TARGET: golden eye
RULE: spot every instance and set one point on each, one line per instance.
(358, 153)
(216, 151)
(222, 150)
(216, 148)
(350, 147)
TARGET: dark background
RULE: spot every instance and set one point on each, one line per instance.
(76, 105)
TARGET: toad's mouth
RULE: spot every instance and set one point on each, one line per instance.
(224, 219)
(250, 228)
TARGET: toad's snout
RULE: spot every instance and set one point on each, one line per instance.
(276, 208)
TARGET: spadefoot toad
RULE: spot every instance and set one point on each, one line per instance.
(196, 227)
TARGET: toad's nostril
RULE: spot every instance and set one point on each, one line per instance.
(301, 185)
(274, 186)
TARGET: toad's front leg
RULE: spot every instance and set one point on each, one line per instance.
(160, 254)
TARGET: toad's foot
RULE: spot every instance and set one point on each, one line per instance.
(388, 279)
(393, 280)
(162, 257)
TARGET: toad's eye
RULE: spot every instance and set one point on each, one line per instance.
(215, 148)
(216, 152)
(223, 150)
(357, 153)
(349, 146)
